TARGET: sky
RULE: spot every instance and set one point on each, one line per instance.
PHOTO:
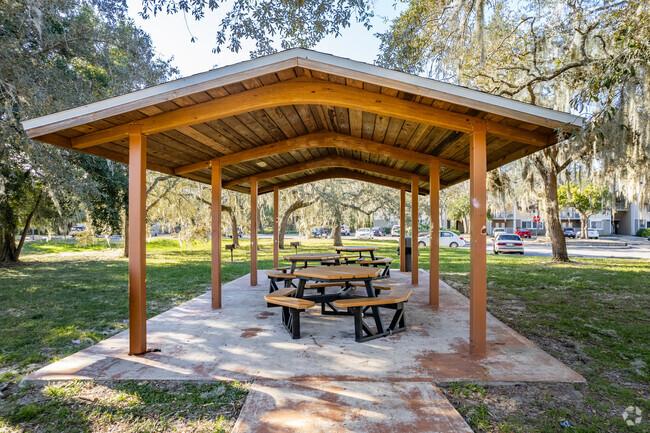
(171, 36)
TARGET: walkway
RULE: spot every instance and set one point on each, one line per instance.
(340, 384)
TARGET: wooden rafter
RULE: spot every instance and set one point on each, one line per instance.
(323, 139)
(309, 91)
(328, 161)
(339, 173)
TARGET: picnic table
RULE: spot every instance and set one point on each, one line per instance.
(346, 278)
(357, 249)
(311, 257)
(345, 275)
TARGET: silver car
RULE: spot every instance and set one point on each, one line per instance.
(508, 243)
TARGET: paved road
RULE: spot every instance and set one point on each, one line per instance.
(630, 252)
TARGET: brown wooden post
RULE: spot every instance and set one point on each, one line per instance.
(276, 239)
(253, 231)
(216, 234)
(477, 215)
(402, 229)
(137, 241)
(414, 230)
(434, 236)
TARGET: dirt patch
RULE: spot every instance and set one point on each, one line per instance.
(515, 407)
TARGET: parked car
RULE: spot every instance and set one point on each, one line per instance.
(569, 232)
(76, 230)
(227, 233)
(378, 231)
(497, 232)
(345, 231)
(394, 231)
(523, 233)
(508, 243)
(318, 232)
(591, 234)
(364, 233)
(447, 239)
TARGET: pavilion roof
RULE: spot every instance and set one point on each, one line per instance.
(299, 116)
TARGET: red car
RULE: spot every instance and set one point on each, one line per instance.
(523, 233)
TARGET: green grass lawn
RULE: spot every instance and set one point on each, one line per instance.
(591, 314)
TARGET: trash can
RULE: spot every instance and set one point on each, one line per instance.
(408, 250)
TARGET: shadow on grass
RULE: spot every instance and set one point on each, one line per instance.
(126, 406)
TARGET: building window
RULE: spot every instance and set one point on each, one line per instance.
(528, 224)
(597, 224)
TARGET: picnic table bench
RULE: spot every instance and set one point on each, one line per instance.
(384, 261)
(356, 306)
(276, 276)
(291, 308)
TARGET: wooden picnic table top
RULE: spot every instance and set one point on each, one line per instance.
(338, 272)
(355, 249)
(312, 257)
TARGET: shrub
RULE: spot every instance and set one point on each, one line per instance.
(644, 233)
(85, 238)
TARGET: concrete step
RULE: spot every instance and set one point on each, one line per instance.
(347, 406)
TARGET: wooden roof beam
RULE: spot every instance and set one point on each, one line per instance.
(341, 173)
(323, 139)
(309, 91)
(328, 161)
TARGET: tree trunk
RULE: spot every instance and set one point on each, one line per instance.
(126, 232)
(554, 231)
(584, 225)
(233, 224)
(337, 235)
(298, 204)
(10, 253)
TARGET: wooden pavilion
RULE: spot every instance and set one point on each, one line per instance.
(300, 116)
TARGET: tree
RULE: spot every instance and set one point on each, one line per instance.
(587, 200)
(284, 222)
(294, 24)
(588, 55)
(44, 47)
(458, 209)
(338, 200)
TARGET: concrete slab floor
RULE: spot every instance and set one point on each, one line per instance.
(246, 341)
(324, 381)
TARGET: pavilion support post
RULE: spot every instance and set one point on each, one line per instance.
(253, 231)
(402, 229)
(137, 241)
(478, 266)
(434, 236)
(216, 235)
(414, 230)
(276, 239)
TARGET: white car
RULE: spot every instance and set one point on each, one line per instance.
(592, 234)
(508, 243)
(497, 232)
(345, 231)
(447, 239)
(364, 233)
